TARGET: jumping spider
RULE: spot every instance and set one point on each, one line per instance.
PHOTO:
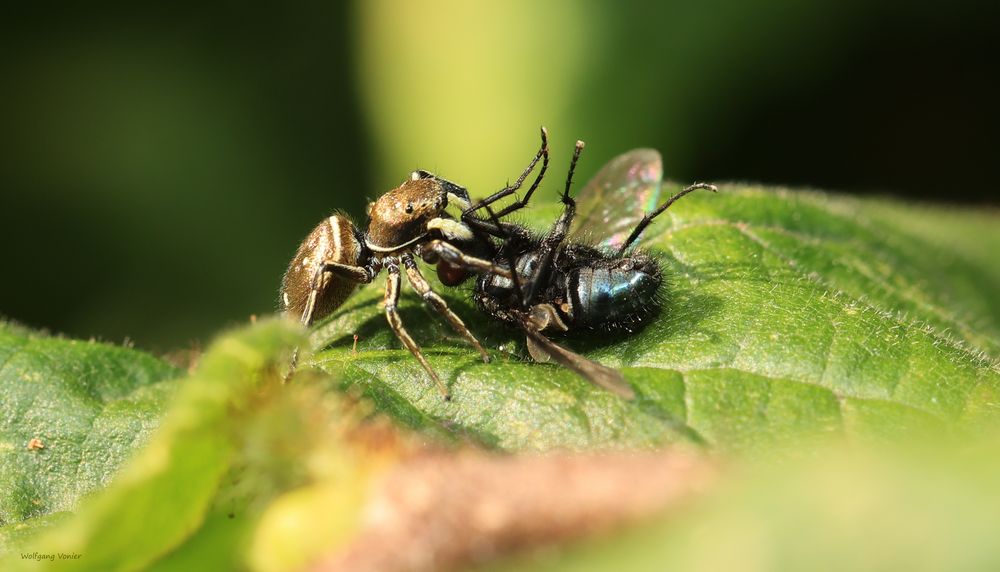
(407, 222)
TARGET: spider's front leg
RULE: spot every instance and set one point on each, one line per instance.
(437, 302)
(396, 323)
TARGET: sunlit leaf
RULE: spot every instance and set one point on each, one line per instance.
(787, 315)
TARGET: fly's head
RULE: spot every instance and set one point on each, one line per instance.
(401, 216)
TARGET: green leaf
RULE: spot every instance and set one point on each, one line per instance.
(788, 315)
(88, 404)
(166, 492)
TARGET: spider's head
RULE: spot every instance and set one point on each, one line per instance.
(400, 216)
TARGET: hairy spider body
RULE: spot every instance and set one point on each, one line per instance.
(407, 222)
(337, 256)
(337, 240)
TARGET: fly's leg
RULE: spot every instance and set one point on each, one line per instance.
(396, 323)
(543, 155)
(561, 228)
(558, 232)
(497, 229)
(543, 152)
(637, 231)
(512, 275)
(437, 302)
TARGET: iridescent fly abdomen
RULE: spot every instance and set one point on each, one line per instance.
(613, 293)
(589, 288)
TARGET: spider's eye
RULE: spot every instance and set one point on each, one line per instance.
(409, 208)
(421, 174)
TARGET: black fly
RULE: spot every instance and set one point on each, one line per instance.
(581, 275)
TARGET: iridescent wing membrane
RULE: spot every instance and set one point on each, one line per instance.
(618, 196)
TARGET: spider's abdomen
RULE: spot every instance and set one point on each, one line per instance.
(333, 240)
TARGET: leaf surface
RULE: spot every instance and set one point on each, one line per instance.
(787, 315)
(87, 405)
(194, 468)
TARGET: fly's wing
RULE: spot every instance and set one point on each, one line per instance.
(599, 375)
(615, 200)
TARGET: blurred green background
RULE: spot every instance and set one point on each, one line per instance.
(160, 163)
